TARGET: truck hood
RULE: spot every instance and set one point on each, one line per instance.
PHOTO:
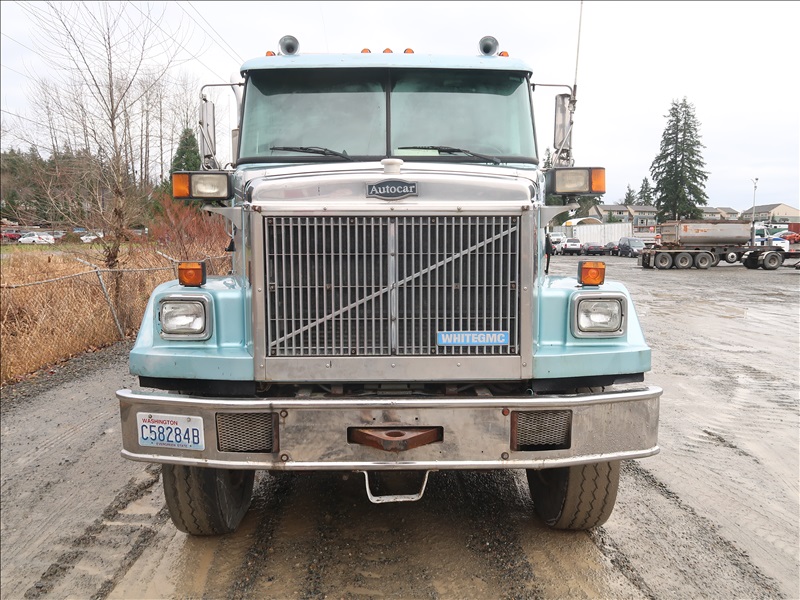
(404, 182)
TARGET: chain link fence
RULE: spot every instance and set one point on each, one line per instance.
(45, 322)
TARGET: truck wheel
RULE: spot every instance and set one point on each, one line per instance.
(731, 257)
(578, 497)
(683, 260)
(663, 260)
(206, 501)
(772, 260)
(751, 262)
(703, 260)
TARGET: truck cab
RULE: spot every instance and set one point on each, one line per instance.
(387, 311)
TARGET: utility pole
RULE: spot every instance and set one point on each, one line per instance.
(753, 214)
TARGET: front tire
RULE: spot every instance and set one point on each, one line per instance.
(578, 497)
(772, 260)
(206, 501)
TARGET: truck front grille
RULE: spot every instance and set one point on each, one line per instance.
(380, 286)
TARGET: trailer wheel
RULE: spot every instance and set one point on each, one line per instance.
(731, 257)
(663, 260)
(703, 260)
(206, 501)
(772, 260)
(578, 497)
(683, 260)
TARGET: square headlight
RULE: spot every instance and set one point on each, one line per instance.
(185, 318)
(598, 316)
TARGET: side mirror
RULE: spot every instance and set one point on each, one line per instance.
(208, 136)
(562, 130)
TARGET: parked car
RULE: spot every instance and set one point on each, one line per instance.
(32, 237)
(630, 246)
(590, 248)
(11, 236)
(571, 246)
(90, 237)
(612, 249)
(557, 239)
(790, 236)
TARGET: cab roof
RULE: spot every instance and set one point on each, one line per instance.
(385, 60)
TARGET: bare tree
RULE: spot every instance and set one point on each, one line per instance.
(109, 60)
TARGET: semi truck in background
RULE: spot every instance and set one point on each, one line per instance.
(685, 244)
(387, 311)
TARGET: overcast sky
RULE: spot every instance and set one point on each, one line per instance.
(736, 62)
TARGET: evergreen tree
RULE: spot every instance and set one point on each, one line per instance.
(187, 156)
(645, 195)
(677, 171)
(630, 197)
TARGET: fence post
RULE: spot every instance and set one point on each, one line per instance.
(108, 298)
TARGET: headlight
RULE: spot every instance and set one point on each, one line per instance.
(185, 318)
(598, 316)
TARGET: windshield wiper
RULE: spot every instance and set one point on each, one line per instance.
(451, 150)
(314, 150)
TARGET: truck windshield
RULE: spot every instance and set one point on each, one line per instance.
(369, 114)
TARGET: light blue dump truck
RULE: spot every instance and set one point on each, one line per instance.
(388, 309)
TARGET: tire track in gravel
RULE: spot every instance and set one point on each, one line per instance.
(101, 556)
(685, 550)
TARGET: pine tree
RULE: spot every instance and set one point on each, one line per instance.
(630, 197)
(645, 195)
(187, 156)
(677, 171)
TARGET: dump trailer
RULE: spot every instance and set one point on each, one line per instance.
(388, 309)
(702, 244)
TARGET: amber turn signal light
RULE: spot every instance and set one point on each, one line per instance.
(180, 185)
(192, 274)
(591, 272)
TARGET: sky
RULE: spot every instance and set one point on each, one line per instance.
(735, 62)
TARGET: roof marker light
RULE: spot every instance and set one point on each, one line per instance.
(270, 53)
(408, 51)
(387, 51)
(366, 51)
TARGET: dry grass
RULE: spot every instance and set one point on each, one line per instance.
(53, 306)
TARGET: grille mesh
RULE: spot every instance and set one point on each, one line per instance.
(378, 286)
(543, 430)
(246, 432)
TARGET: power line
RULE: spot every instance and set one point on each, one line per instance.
(237, 56)
(182, 47)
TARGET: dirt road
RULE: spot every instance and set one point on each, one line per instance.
(714, 515)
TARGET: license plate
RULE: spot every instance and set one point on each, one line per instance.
(170, 431)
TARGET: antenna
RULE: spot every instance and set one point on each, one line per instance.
(578, 51)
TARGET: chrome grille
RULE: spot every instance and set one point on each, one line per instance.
(379, 286)
(246, 432)
(541, 430)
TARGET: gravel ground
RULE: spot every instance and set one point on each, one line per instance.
(714, 515)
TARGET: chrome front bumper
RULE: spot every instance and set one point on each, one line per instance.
(476, 433)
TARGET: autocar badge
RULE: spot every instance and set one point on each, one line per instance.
(392, 189)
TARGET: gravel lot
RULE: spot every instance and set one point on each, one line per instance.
(714, 515)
